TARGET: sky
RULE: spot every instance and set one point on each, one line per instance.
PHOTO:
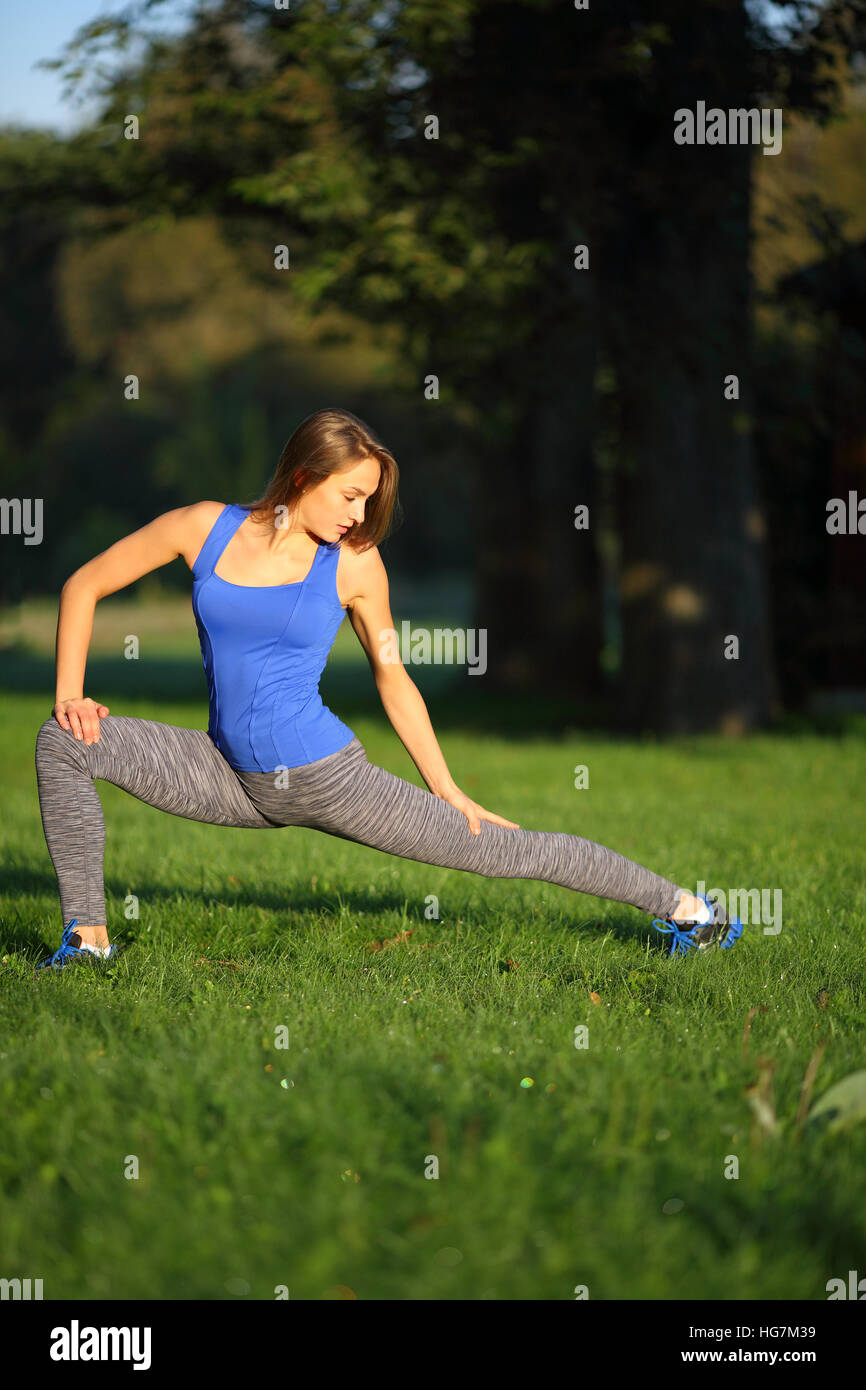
(34, 29)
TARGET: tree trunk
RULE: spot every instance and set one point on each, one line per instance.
(538, 578)
(696, 649)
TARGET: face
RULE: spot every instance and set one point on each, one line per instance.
(336, 506)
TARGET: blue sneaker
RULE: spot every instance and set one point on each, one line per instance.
(72, 951)
(685, 935)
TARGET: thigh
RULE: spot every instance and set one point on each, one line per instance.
(174, 769)
(347, 795)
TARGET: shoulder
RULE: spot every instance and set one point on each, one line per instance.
(204, 510)
(367, 563)
(365, 572)
(197, 521)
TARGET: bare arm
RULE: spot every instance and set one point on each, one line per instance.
(147, 549)
(370, 616)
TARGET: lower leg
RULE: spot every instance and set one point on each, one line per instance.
(73, 825)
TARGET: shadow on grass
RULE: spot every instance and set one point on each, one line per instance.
(21, 882)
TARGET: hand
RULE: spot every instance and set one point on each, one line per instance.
(474, 813)
(81, 717)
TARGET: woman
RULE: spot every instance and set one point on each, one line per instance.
(272, 582)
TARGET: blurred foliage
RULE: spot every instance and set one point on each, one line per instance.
(306, 129)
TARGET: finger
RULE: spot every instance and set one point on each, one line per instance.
(61, 718)
(102, 710)
(75, 723)
(500, 820)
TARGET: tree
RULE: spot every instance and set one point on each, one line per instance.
(554, 132)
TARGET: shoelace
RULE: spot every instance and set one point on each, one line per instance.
(65, 949)
(683, 940)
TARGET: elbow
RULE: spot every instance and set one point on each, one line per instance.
(392, 680)
(78, 583)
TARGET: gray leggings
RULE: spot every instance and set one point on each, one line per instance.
(181, 771)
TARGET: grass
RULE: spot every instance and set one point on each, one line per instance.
(410, 1037)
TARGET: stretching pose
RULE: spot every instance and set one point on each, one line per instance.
(272, 582)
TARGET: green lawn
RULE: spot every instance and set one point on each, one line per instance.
(304, 1166)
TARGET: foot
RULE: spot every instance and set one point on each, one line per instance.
(717, 932)
(94, 936)
(73, 951)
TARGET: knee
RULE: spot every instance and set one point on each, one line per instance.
(51, 740)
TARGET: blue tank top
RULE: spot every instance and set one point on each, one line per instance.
(264, 650)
